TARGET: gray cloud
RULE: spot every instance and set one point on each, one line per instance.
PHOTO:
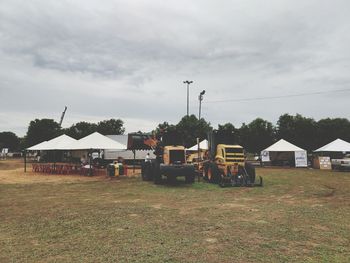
(128, 59)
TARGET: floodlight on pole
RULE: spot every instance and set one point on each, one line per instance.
(188, 82)
(200, 98)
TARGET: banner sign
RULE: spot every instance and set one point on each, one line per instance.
(4, 150)
(265, 156)
(300, 159)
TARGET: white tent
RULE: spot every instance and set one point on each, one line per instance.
(282, 146)
(63, 142)
(337, 145)
(38, 146)
(97, 141)
(203, 145)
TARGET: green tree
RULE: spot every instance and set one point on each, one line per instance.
(331, 129)
(228, 130)
(163, 127)
(81, 129)
(286, 128)
(41, 130)
(191, 128)
(257, 135)
(187, 130)
(111, 127)
(298, 130)
(9, 140)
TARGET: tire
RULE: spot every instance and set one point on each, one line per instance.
(143, 171)
(190, 178)
(251, 172)
(205, 172)
(171, 179)
(213, 173)
(157, 177)
(146, 171)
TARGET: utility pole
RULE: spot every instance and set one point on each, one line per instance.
(188, 82)
(200, 97)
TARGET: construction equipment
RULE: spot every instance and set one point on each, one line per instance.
(170, 157)
(226, 164)
(62, 116)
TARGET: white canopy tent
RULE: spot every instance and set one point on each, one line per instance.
(282, 146)
(203, 145)
(37, 147)
(63, 142)
(337, 145)
(97, 141)
(94, 141)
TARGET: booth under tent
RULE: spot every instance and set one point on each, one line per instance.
(283, 153)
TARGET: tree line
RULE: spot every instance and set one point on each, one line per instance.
(259, 133)
(255, 136)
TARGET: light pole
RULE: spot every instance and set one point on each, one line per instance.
(188, 82)
(200, 97)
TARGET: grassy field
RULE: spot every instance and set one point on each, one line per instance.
(299, 215)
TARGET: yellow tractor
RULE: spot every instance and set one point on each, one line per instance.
(226, 164)
(170, 158)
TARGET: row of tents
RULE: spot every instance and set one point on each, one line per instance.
(284, 151)
(281, 150)
(94, 141)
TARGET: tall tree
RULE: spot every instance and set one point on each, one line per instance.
(9, 140)
(257, 135)
(331, 129)
(286, 128)
(41, 130)
(298, 130)
(81, 129)
(111, 127)
(162, 127)
(191, 128)
(228, 130)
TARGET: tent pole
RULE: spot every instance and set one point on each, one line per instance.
(199, 159)
(25, 161)
(54, 161)
(134, 158)
(90, 156)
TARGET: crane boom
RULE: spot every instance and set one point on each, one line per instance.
(62, 116)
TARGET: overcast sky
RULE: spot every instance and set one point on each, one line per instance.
(128, 59)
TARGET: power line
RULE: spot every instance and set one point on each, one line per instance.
(280, 96)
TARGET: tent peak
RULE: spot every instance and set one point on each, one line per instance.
(283, 146)
(338, 145)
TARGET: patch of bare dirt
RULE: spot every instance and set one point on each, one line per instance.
(157, 206)
(232, 205)
(211, 240)
(11, 164)
(17, 176)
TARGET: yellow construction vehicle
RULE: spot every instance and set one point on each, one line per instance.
(226, 164)
(170, 158)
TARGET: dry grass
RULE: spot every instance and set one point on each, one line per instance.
(298, 216)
